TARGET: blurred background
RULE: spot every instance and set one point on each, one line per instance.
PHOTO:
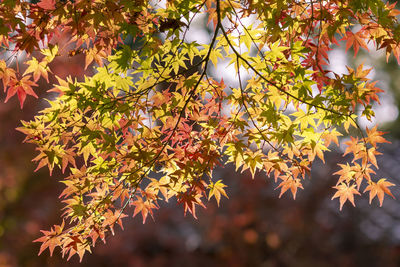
(253, 228)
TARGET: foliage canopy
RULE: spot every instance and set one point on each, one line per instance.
(151, 123)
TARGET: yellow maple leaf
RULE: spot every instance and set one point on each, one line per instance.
(38, 69)
(217, 189)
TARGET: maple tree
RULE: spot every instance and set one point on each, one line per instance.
(151, 123)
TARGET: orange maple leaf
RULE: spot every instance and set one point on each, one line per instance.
(345, 192)
(346, 173)
(356, 40)
(379, 189)
(143, 206)
(50, 239)
(292, 184)
(374, 136)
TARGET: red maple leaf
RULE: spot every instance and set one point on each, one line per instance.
(189, 201)
(22, 88)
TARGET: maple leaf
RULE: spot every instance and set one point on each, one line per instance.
(346, 173)
(50, 239)
(290, 183)
(37, 68)
(353, 147)
(190, 200)
(143, 206)
(374, 136)
(216, 190)
(356, 40)
(379, 189)
(345, 192)
(22, 88)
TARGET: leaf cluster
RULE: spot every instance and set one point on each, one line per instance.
(151, 124)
